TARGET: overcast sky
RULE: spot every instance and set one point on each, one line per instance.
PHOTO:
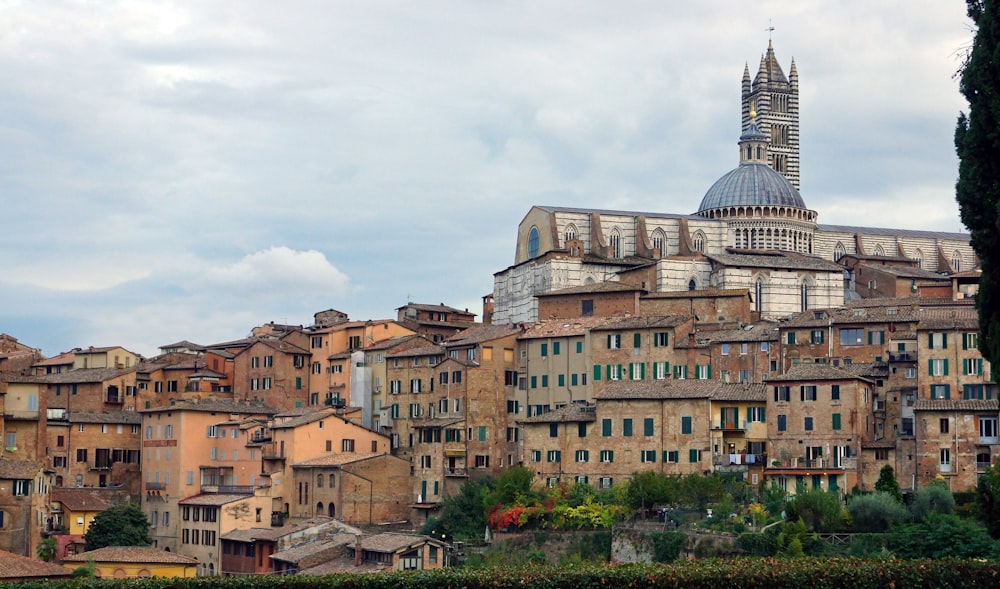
(187, 170)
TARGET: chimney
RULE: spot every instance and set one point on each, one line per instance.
(357, 550)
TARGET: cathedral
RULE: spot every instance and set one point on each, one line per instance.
(752, 231)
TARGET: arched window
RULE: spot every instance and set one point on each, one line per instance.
(571, 232)
(319, 481)
(533, 243)
(692, 285)
(699, 241)
(660, 242)
(320, 509)
(918, 257)
(879, 251)
(839, 251)
(615, 241)
(956, 261)
(804, 296)
(758, 295)
(331, 510)
(211, 569)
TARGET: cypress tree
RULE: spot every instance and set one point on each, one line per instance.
(977, 141)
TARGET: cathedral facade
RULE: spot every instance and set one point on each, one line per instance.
(752, 231)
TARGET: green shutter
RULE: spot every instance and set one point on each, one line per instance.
(642, 370)
(965, 341)
(944, 341)
(607, 372)
(979, 364)
(631, 370)
(637, 340)
(763, 416)
(930, 368)
(597, 372)
(930, 341)
(836, 421)
(870, 338)
(709, 372)
(946, 367)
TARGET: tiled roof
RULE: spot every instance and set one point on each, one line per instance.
(810, 372)
(215, 406)
(338, 459)
(572, 413)
(596, 288)
(182, 344)
(867, 369)
(80, 499)
(431, 350)
(344, 564)
(907, 272)
(394, 542)
(61, 359)
(762, 331)
(480, 334)
(879, 445)
(855, 315)
(436, 421)
(304, 419)
(278, 345)
(18, 469)
(273, 534)
(302, 551)
(351, 325)
(892, 232)
(14, 566)
(131, 554)
(964, 317)
(665, 322)
(76, 376)
(560, 327)
(213, 499)
(956, 405)
(389, 343)
(435, 308)
(658, 389)
(733, 391)
(125, 417)
(783, 260)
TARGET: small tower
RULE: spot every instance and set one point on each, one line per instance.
(776, 101)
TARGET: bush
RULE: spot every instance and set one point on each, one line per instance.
(934, 499)
(941, 536)
(876, 512)
(667, 546)
(757, 544)
(819, 510)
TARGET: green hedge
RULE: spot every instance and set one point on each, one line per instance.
(835, 573)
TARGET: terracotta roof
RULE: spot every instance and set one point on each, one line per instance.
(61, 359)
(867, 369)
(315, 415)
(126, 417)
(949, 318)
(215, 406)
(572, 413)
(560, 327)
(480, 334)
(352, 324)
(344, 564)
(80, 499)
(75, 376)
(182, 344)
(879, 445)
(298, 553)
(431, 350)
(956, 405)
(436, 421)
(665, 322)
(274, 534)
(698, 294)
(809, 372)
(213, 499)
(391, 342)
(907, 272)
(338, 459)
(394, 542)
(597, 287)
(762, 331)
(14, 566)
(739, 391)
(19, 469)
(658, 389)
(131, 554)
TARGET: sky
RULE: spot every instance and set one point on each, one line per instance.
(188, 170)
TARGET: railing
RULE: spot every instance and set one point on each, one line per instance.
(270, 452)
(989, 440)
(455, 472)
(738, 459)
(113, 399)
(260, 437)
(156, 486)
(228, 489)
(981, 466)
(731, 426)
(902, 357)
(277, 519)
(57, 414)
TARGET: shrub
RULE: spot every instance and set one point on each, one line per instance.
(757, 544)
(941, 536)
(819, 510)
(667, 546)
(934, 499)
(876, 512)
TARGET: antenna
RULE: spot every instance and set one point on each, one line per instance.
(769, 28)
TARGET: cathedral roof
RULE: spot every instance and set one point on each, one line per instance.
(751, 185)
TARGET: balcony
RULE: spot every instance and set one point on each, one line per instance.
(21, 414)
(227, 489)
(56, 415)
(272, 452)
(739, 459)
(730, 426)
(114, 399)
(53, 529)
(902, 357)
(989, 440)
(156, 486)
(277, 519)
(456, 472)
(260, 437)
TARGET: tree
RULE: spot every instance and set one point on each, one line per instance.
(888, 484)
(47, 549)
(125, 525)
(935, 498)
(462, 515)
(978, 145)
(649, 488)
(941, 536)
(819, 510)
(988, 499)
(876, 512)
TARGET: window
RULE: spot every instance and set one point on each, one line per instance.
(852, 336)
(755, 414)
(606, 427)
(661, 339)
(808, 392)
(808, 425)
(533, 242)
(582, 455)
(988, 430)
(607, 456)
(694, 455)
(944, 425)
(671, 456)
(782, 423)
(972, 366)
(680, 372)
(647, 426)
(414, 385)
(816, 336)
(836, 421)
(970, 341)
(937, 341)
(553, 430)
(790, 338)
(661, 370)
(647, 455)
(347, 445)
(782, 394)
(395, 386)
(553, 456)
(615, 243)
(555, 348)
(22, 488)
(686, 425)
(703, 371)
(937, 367)
(835, 392)
(876, 338)
(724, 349)
(940, 391)
(627, 427)
(81, 454)
(544, 350)
(614, 341)
(945, 460)
(536, 455)
(587, 308)
(605, 483)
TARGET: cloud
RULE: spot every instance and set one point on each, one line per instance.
(277, 270)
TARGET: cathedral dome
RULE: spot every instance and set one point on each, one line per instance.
(751, 184)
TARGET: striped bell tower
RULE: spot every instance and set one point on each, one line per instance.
(775, 99)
